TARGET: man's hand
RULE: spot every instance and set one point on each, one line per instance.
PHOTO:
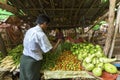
(56, 45)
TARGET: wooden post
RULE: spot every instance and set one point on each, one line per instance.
(115, 33)
(111, 26)
(2, 47)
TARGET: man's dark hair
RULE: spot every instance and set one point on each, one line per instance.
(42, 18)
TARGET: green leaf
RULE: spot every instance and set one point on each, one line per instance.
(2, 17)
(4, 12)
(96, 27)
(103, 22)
(104, 1)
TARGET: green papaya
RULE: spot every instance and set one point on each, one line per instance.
(97, 71)
(100, 65)
(110, 68)
(89, 67)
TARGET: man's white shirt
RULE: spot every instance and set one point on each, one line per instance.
(35, 43)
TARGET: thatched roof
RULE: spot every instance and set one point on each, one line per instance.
(63, 13)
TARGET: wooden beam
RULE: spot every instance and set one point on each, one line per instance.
(71, 11)
(64, 25)
(22, 7)
(81, 2)
(91, 7)
(78, 11)
(63, 6)
(16, 4)
(52, 5)
(59, 9)
(9, 8)
(42, 7)
(100, 11)
(115, 32)
(21, 4)
(26, 2)
(33, 5)
(83, 16)
(98, 20)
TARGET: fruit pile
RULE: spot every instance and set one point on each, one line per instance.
(68, 62)
(93, 58)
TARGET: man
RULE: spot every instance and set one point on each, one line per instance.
(59, 34)
(35, 43)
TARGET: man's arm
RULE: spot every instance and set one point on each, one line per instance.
(56, 45)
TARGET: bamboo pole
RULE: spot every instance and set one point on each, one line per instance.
(115, 33)
(111, 27)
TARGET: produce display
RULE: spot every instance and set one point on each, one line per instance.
(67, 57)
(16, 53)
(49, 59)
(11, 62)
(61, 59)
(8, 63)
(67, 62)
(93, 58)
(66, 46)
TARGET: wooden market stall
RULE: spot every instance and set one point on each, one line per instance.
(78, 17)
